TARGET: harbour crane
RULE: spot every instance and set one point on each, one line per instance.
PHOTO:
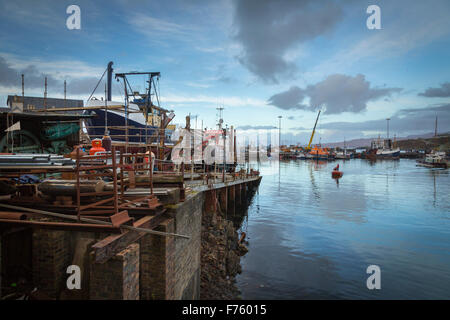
(312, 135)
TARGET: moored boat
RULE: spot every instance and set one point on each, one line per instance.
(301, 156)
(383, 150)
(344, 155)
(319, 153)
(434, 159)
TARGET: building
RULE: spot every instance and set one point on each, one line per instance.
(31, 104)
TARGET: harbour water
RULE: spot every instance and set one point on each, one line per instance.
(310, 237)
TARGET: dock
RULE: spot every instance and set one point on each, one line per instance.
(136, 234)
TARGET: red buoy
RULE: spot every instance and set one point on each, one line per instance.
(336, 174)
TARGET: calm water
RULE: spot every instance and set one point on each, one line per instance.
(310, 238)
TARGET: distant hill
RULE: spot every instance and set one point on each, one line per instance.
(441, 143)
(360, 143)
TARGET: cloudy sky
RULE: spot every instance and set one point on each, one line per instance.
(258, 59)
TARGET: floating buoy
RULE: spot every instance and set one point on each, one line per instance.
(336, 174)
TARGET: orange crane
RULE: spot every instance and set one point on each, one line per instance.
(312, 135)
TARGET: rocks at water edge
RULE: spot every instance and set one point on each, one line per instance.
(220, 258)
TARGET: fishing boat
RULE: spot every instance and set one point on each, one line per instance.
(383, 149)
(119, 128)
(138, 120)
(387, 151)
(319, 153)
(434, 159)
(345, 154)
(302, 156)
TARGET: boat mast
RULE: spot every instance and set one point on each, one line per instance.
(345, 147)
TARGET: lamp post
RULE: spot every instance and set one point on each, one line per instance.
(279, 130)
(279, 150)
(387, 120)
(224, 133)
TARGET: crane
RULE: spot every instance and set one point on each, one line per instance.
(312, 135)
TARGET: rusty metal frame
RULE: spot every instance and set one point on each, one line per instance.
(85, 164)
(109, 246)
(63, 225)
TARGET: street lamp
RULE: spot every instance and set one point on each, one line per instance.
(224, 133)
(279, 151)
(387, 120)
(279, 130)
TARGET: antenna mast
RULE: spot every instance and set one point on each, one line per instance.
(220, 115)
(435, 128)
(45, 95)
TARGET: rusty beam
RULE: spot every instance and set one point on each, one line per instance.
(13, 215)
(72, 209)
(120, 218)
(95, 204)
(62, 225)
(111, 245)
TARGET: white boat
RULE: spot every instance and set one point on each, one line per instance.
(301, 156)
(385, 150)
(434, 159)
(344, 155)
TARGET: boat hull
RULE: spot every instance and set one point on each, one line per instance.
(344, 156)
(136, 131)
(389, 156)
(432, 165)
(383, 154)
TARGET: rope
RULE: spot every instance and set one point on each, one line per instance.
(97, 84)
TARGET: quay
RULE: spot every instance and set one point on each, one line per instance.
(90, 194)
(109, 238)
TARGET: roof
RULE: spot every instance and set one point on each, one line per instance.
(44, 115)
(37, 103)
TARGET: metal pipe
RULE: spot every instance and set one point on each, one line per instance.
(66, 216)
(109, 79)
(45, 95)
(65, 93)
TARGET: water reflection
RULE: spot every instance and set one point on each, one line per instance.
(311, 236)
(314, 188)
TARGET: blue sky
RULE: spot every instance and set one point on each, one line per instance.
(258, 59)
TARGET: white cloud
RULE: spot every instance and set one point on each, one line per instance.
(60, 69)
(198, 85)
(210, 49)
(405, 27)
(154, 26)
(227, 101)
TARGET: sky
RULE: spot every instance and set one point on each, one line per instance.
(259, 59)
